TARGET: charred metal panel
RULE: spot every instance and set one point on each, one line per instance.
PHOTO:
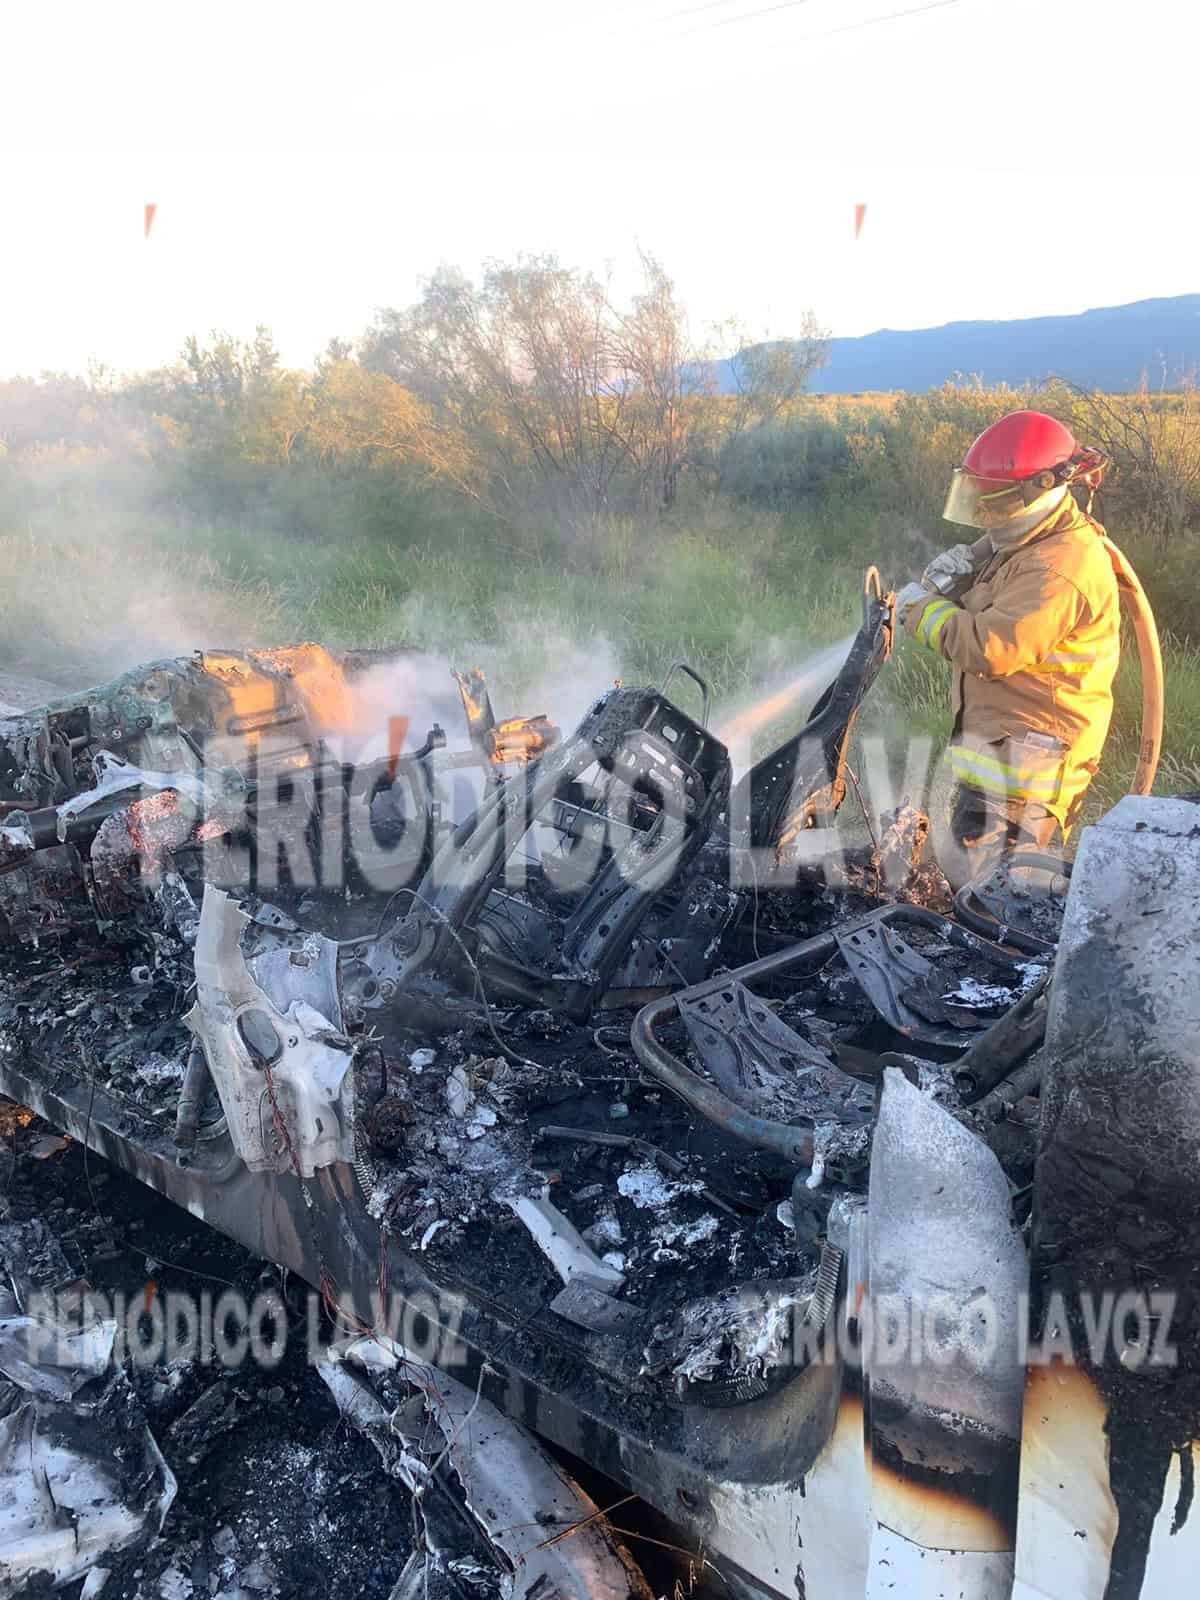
(948, 1276)
(274, 1058)
(665, 781)
(803, 781)
(1118, 1188)
(758, 1060)
(900, 1567)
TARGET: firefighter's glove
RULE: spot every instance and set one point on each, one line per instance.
(944, 571)
(911, 593)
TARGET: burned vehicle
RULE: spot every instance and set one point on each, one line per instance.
(605, 1097)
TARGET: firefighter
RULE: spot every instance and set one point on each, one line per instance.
(1028, 617)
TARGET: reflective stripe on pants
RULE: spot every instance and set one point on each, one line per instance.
(1033, 776)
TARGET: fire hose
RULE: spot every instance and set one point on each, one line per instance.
(1145, 631)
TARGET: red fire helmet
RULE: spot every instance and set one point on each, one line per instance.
(1012, 465)
(1019, 446)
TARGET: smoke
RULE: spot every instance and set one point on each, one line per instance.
(536, 669)
(803, 683)
(97, 578)
(533, 660)
(564, 678)
(100, 573)
(110, 558)
(419, 691)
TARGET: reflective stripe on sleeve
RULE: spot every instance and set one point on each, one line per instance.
(939, 623)
(933, 620)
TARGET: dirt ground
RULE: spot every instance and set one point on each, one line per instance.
(278, 1497)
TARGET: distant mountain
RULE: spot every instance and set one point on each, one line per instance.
(1106, 349)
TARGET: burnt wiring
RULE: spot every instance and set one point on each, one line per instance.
(481, 992)
(599, 1515)
(754, 923)
(862, 806)
(327, 1285)
(612, 1051)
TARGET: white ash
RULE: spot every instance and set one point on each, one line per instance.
(976, 996)
(936, 1079)
(431, 1233)
(743, 1331)
(458, 1156)
(606, 1230)
(649, 1190)
(482, 1118)
(17, 838)
(670, 1234)
(835, 1142)
(156, 1070)
(388, 1183)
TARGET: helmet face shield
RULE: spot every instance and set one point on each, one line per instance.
(983, 502)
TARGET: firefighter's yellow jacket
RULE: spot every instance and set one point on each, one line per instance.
(1034, 643)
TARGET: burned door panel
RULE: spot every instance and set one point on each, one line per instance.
(1114, 1336)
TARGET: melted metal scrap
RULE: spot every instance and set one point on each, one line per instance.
(761, 1063)
(38, 1351)
(940, 1228)
(727, 1346)
(565, 1249)
(114, 776)
(16, 841)
(71, 1489)
(250, 1030)
(887, 967)
(916, 996)
(63, 1507)
(512, 1496)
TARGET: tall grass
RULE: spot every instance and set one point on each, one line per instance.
(105, 562)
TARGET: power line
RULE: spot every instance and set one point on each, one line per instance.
(691, 11)
(827, 33)
(746, 16)
(892, 16)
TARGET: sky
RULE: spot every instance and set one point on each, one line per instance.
(311, 163)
